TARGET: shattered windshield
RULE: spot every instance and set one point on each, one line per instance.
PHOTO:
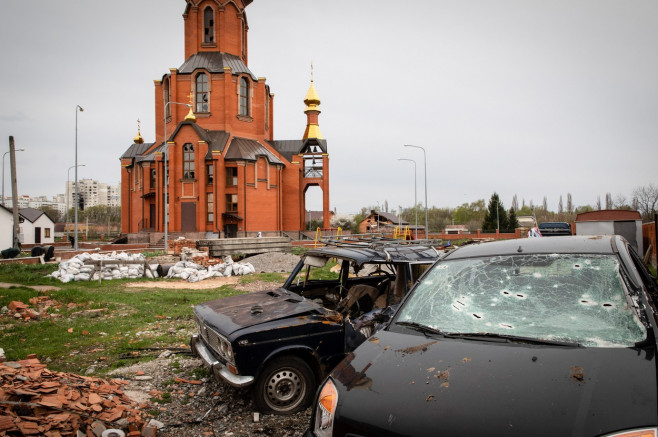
(572, 298)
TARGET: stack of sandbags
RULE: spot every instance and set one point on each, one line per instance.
(192, 272)
(75, 269)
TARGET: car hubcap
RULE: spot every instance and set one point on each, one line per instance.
(284, 389)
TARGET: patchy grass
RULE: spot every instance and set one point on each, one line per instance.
(278, 278)
(129, 324)
(27, 274)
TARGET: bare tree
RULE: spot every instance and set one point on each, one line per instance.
(608, 201)
(620, 202)
(598, 203)
(545, 204)
(560, 209)
(569, 203)
(515, 203)
(646, 198)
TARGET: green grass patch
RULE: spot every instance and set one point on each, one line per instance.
(27, 274)
(107, 325)
(266, 277)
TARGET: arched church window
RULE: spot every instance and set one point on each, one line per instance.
(208, 25)
(202, 93)
(188, 161)
(244, 96)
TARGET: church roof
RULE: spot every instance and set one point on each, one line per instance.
(136, 150)
(289, 148)
(249, 150)
(214, 62)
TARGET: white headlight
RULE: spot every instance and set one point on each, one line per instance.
(325, 409)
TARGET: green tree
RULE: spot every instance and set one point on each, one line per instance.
(496, 216)
(512, 221)
(470, 214)
(51, 212)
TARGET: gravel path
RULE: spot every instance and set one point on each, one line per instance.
(273, 262)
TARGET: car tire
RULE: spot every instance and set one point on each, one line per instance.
(285, 386)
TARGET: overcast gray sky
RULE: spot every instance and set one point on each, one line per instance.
(526, 97)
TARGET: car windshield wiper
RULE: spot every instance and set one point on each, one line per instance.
(421, 328)
(491, 336)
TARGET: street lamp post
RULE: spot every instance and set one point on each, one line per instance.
(3, 174)
(415, 193)
(427, 230)
(68, 178)
(166, 178)
(77, 194)
(497, 218)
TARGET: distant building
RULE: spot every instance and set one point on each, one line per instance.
(385, 223)
(6, 228)
(612, 221)
(36, 228)
(94, 193)
(25, 201)
(526, 221)
(456, 229)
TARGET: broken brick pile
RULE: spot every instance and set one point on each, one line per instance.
(35, 401)
(38, 309)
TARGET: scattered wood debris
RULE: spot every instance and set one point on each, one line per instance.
(35, 401)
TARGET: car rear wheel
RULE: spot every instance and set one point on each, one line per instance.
(285, 386)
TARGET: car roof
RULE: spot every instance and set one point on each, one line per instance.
(362, 254)
(596, 244)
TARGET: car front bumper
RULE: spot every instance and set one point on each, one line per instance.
(219, 370)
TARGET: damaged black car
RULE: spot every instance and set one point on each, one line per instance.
(529, 337)
(283, 342)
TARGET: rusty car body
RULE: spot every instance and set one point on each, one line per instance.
(529, 337)
(282, 342)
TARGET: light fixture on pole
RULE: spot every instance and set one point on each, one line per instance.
(415, 194)
(427, 229)
(189, 117)
(68, 178)
(75, 229)
(3, 174)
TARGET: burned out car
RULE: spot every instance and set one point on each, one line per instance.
(529, 337)
(282, 342)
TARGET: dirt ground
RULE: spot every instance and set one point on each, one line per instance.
(189, 403)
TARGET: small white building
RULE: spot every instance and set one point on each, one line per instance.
(36, 228)
(6, 228)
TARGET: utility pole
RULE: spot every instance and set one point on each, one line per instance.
(14, 191)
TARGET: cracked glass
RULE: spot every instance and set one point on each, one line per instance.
(557, 297)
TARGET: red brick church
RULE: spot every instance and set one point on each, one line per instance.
(227, 174)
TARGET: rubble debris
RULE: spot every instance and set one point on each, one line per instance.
(37, 401)
(36, 310)
(75, 269)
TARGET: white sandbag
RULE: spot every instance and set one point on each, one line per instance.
(82, 277)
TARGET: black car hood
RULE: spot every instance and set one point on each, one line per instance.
(413, 385)
(229, 314)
